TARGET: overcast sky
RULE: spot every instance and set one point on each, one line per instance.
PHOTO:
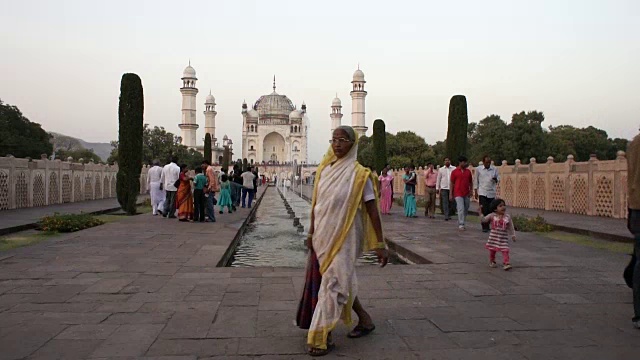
(577, 61)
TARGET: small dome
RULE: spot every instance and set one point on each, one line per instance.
(210, 100)
(336, 102)
(295, 114)
(358, 75)
(253, 113)
(225, 137)
(189, 72)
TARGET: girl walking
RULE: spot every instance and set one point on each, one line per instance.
(386, 191)
(501, 230)
(225, 195)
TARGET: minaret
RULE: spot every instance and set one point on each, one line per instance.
(188, 126)
(210, 117)
(336, 114)
(358, 96)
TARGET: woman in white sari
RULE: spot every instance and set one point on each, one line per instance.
(345, 221)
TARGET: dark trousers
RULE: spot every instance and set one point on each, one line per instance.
(198, 205)
(444, 203)
(250, 192)
(485, 205)
(634, 226)
(211, 211)
(170, 204)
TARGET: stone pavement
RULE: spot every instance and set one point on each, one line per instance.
(149, 288)
(26, 218)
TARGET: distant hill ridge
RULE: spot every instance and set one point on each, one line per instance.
(61, 141)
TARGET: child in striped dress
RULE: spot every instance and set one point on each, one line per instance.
(501, 229)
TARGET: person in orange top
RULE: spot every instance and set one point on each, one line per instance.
(212, 188)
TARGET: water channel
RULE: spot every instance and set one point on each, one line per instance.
(271, 240)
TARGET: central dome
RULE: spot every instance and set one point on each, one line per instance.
(274, 105)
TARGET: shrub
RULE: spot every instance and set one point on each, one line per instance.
(68, 222)
(379, 146)
(456, 143)
(536, 224)
(130, 117)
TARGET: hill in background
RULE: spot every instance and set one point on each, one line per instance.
(69, 143)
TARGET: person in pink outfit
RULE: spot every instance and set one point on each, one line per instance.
(386, 191)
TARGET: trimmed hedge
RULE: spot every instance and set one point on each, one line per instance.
(456, 144)
(207, 147)
(379, 145)
(130, 117)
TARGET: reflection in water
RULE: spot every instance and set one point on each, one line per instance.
(272, 240)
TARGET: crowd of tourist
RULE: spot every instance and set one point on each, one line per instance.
(177, 193)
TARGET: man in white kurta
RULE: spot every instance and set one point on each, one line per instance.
(156, 190)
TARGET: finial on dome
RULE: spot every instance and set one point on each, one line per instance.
(358, 65)
(274, 83)
(190, 62)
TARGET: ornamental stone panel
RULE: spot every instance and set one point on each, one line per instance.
(66, 188)
(4, 190)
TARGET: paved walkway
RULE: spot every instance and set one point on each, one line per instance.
(149, 288)
(20, 219)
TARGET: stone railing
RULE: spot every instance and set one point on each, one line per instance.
(29, 183)
(594, 187)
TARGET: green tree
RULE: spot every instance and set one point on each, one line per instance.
(160, 144)
(489, 138)
(379, 145)
(207, 147)
(457, 129)
(526, 137)
(130, 116)
(365, 151)
(85, 154)
(20, 137)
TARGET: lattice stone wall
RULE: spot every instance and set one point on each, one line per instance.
(593, 188)
(4, 190)
(604, 196)
(77, 189)
(97, 188)
(539, 194)
(66, 188)
(22, 191)
(25, 183)
(580, 196)
(54, 191)
(523, 192)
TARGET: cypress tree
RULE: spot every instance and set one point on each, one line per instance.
(379, 145)
(130, 117)
(225, 158)
(207, 147)
(457, 132)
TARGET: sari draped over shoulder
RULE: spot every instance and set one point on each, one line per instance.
(184, 199)
(342, 230)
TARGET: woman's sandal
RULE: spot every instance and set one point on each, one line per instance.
(360, 331)
(315, 352)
